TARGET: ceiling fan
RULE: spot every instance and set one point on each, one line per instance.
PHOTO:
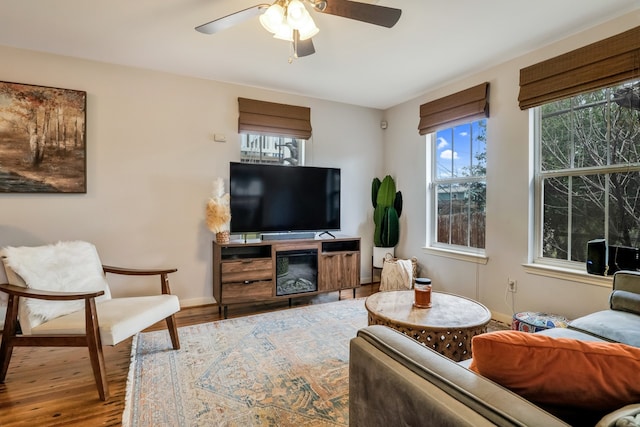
(289, 19)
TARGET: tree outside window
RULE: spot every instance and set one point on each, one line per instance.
(257, 148)
(588, 172)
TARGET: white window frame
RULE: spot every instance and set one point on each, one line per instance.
(465, 253)
(536, 254)
(270, 152)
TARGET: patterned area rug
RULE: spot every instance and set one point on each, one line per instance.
(283, 368)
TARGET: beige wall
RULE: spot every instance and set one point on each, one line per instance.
(151, 161)
(508, 207)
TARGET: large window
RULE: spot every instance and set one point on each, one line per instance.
(458, 186)
(257, 148)
(587, 172)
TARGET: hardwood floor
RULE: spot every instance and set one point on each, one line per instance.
(55, 386)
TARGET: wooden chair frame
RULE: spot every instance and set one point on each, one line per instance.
(91, 339)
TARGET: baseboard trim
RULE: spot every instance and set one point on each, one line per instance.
(196, 302)
(501, 317)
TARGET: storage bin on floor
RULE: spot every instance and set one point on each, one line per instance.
(534, 321)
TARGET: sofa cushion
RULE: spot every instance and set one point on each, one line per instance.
(570, 333)
(119, 318)
(559, 371)
(625, 301)
(613, 325)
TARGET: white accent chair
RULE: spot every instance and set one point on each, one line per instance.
(59, 297)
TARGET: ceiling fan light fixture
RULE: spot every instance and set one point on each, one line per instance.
(296, 13)
(273, 18)
(282, 18)
(299, 19)
(284, 32)
(308, 30)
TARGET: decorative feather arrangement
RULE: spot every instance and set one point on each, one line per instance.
(218, 209)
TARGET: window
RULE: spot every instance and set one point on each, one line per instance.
(273, 133)
(257, 148)
(458, 186)
(456, 128)
(587, 172)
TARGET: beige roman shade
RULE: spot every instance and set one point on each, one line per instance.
(269, 118)
(465, 106)
(604, 63)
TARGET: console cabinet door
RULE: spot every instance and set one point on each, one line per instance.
(350, 270)
(339, 270)
(329, 272)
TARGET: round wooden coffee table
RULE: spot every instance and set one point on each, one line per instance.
(447, 327)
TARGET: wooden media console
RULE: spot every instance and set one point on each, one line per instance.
(266, 270)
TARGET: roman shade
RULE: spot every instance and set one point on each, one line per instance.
(269, 118)
(601, 64)
(464, 106)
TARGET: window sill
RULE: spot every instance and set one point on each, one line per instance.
(568, 274)
(458, 255)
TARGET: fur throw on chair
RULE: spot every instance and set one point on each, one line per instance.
(63, 266)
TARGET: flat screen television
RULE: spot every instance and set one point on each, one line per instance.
(273, 198)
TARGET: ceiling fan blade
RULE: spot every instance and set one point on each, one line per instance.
(232, 19)
(370, 13)
(303, 47)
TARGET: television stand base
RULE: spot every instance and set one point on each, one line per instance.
(288, 236)
(326, 232)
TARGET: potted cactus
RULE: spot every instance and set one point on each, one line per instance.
(387, 204)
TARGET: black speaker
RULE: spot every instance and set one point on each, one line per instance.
(597, 257)
(622, 258)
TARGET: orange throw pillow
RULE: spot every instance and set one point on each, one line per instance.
(559, 371)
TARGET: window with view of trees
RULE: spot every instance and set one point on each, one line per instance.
(458, 186)
(257, 148)
(587, 172)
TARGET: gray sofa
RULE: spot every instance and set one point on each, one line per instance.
(395, 381)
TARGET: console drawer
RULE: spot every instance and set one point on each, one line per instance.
(243, 270)
(246, 291)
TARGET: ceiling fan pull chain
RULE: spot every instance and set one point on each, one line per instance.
(292, 53)
(293, 47)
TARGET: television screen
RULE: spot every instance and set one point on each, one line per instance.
(273, 198)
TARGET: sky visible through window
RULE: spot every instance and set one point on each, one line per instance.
(458, 150)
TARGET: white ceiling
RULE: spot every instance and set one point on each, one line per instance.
(356, 63)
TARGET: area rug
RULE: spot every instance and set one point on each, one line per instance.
(283, 368)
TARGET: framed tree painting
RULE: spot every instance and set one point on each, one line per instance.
(42, 139)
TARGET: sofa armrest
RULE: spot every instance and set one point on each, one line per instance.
(626, 280)
(394, 380)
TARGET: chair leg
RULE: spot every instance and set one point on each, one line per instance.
(9, 332)
(173, 332)
(95, 349)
